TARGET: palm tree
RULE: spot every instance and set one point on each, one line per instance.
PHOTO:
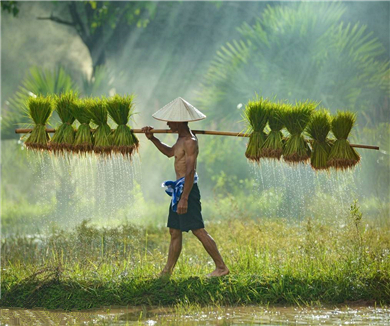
(298, 51)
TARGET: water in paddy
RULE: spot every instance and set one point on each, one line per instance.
(298, 191)
(247, 315)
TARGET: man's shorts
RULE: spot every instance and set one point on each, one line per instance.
(191, 220)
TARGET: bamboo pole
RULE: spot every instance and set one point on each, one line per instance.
(200, 132)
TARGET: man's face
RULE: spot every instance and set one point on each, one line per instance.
(174, 126)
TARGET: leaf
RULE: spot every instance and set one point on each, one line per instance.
(300, 51)
(93, 4)
(37, 81)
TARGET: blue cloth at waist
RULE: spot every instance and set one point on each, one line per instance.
(175, 189)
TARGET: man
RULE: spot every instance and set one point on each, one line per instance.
(184, 215)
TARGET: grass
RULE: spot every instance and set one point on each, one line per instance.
(273, 145)
(256, 115)
(272, 261)
(295, 118)
(64, 135)
(120, 109)
(102, 135)
(83, 142)
(38, 109)
(342, 156)
(318, 129)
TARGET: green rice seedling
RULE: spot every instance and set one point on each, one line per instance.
(83, 141)
(273, 145)
(102, 135)
(120, 110)
(295, 119)
(256, 114)
(39, 110)
(318, 129)
(64, 135)
(342, 155)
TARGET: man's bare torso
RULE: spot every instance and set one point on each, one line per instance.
(180, 155)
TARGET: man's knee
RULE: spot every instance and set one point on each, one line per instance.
(199, 233)
(175, 233)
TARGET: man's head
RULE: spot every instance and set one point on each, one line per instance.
(175, 126)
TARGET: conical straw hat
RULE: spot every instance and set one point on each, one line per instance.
(179, 110)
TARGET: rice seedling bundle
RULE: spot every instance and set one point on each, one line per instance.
(318, 129)
(102, 135)
(295, 119)
(120, 110)
(342, 155)
(64, 135)
(83, 141)
(39, 109)
(273, 145)
(256, 114)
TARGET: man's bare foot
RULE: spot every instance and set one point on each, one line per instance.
(219, 272)
(165, 274)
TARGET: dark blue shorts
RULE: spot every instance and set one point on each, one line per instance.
(191, 220)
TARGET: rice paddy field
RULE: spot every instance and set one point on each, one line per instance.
(271, 262)
(327, 256)
(324, 271)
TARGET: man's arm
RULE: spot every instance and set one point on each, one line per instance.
(163, 148)
(191, 150)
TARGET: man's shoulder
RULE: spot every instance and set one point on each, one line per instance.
(190, 143)
(191, 140)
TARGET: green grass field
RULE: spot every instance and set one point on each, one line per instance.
(272, 261)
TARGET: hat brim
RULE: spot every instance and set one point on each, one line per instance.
(180, 120)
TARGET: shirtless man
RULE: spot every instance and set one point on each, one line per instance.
(188, 215)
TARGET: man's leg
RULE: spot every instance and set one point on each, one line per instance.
(174, 251)
(211, 247)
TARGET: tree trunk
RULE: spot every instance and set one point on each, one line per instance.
(94, 40)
